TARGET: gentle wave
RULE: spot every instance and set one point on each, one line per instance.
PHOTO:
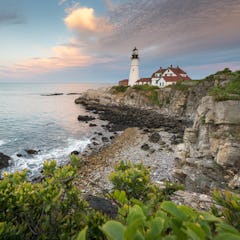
(2, 142)
(34, 164)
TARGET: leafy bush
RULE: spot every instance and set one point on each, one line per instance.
(133, 179)
(50, 209)
(231, 207)
(170, 222)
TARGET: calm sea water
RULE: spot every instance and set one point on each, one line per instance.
(29, 120)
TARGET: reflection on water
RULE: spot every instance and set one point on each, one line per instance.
(29, 120)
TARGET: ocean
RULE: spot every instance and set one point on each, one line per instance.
(31, 120)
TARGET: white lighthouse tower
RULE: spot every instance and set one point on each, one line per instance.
(134, 70)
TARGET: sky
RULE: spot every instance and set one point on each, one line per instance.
(92, 40)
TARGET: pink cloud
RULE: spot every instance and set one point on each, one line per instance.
(83, 19)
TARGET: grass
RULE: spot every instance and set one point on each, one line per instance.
(180, 85)
(231, 91)
(120, 89)
(145, 87)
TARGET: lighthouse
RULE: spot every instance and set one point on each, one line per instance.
(134, 70)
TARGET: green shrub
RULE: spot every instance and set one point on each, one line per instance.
(231, 207)
(229, 92)
(180, 85)
(170, 222)
(133, 179)
(145, 87)
(50, 209)
(118, 89)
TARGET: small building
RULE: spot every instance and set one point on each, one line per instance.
(123, 82)
(168, 76)
(143, 81)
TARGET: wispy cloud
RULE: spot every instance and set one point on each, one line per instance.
(160, 28)
(11, 17)
(175, 25)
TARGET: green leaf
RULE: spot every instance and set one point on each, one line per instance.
(172, 209)
(82, 234)
(209, 217)
(227, 236)
(194, 231)
(225, 228)
(113, 230)
(135, 222)
(156, 228)
(135, 215)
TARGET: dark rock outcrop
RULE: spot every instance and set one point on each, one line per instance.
(155, 137)
(75, 152)
(103, 205)
(4, 160)
(85, 118)
(145, 147)
(31, 151)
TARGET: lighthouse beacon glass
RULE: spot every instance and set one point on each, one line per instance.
(134, 68)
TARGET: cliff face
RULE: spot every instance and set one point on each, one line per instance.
(182, 101)
(210, 154)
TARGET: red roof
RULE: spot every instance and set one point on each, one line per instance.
(144, 80)
(177, 70)
(175, 78)
(160, 70)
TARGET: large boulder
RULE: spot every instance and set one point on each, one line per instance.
(104, 205)
(4, 160)
(229, 155)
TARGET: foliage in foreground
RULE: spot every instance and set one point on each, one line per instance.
(54, 209)
(50, 209)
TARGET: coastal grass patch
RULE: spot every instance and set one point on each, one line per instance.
(231, 91)
(180, 85)
(119, 89)
(145, 87)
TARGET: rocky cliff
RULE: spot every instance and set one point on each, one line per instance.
(179, 100)
(210, 153)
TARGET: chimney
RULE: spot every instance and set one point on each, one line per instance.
(171, 66)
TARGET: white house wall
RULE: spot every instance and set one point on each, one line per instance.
(169, 73)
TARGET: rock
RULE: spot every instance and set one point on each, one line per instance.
(103, 205)
(19, 155)
(100, 134)
(105, 139)
(52, 94)
(75, 152)
(145, 147)
(4, 160)
(112, 137)
(92, 125)
(85, 118)
(192, 199)
(229, 155)
(235, 182)
(31, 151)
(155, 137)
